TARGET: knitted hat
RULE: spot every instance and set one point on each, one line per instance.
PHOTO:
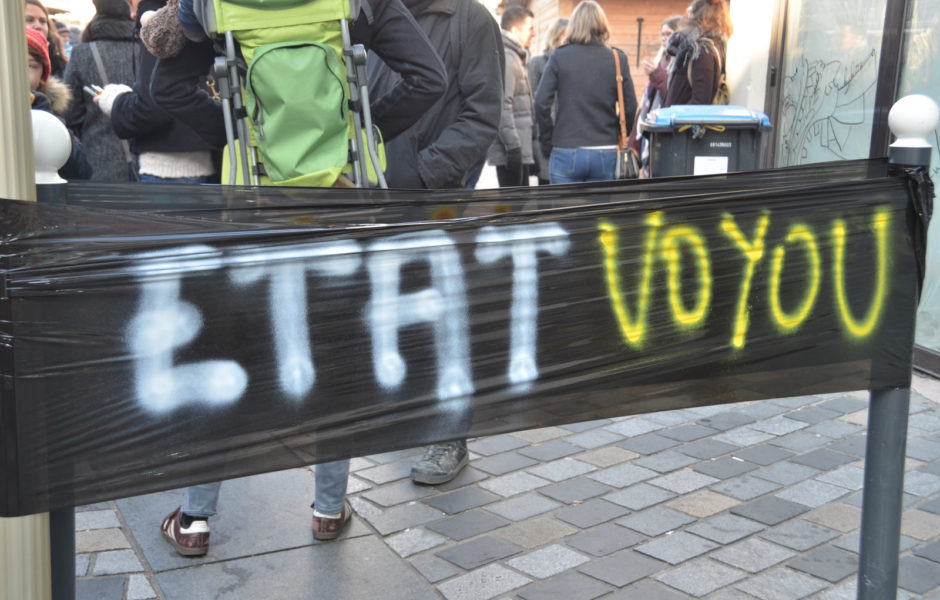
(39, 48)
(162, 33)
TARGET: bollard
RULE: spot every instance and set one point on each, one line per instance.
(911, 119)
(52, 147)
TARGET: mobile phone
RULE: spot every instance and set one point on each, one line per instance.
(93, 90)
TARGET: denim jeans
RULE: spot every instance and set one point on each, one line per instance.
(154, 179)
(576, 165)
(329, 478)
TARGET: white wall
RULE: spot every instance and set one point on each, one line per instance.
(749, 51)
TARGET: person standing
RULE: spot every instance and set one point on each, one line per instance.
(581, 79)
(699, 49)
(536, 66)
(37, 18)
(511, 152)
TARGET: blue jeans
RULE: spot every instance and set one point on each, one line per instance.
(576, 165)
(329, 478)
(154, 179)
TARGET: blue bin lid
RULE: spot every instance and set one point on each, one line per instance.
(705, 114)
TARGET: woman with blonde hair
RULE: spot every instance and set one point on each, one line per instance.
(580, 79)
(699, 49)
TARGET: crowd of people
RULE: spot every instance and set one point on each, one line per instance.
(451, 88)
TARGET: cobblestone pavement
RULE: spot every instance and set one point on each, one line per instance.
(753, 500)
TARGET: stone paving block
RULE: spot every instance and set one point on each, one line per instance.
(764, 454)
(575, 490)
(812, 493)
(854, 445)
(114, 562)
(852, 541)
(834, 429)
(461, 500)
(570, 586)
(476, 553)
(746, 487)
(921, 484)
(724, 421)
(622, 568)
(932, 507)
(139, 588)
(725, 529)
(623, 475)
(432, 568)
(743, 436)
(97, 540)
(536, 532)
(778, 425)
(646, 590)
(932, 468)
(786, 473)
(648, 444)
(670, 418)
(523, 506)
(585, 425)
(688, 433)
(468, 524)
(96, 519)
(763, 410)
(829, 563)
(100, 588)
(753, 555)
(844, 591)
(683, 482)
(514, 483)
(703, 503)
(500, 464)
(701, 577)
(781, 584)
(918, 575)
(823, 459)
(487, 446)
(547, 562)
(594, 438)
(355, 485)
(656, 521)
(537, 436)
(591, 513)
(396, 518)
(467, 476)
(387, 472)
(844, 404)
(706, 448)
(920, 525)
(769, 511)
(81, 564)
(604, 540)
(639, 496)
(550, 450)
(665, 462)
(397, 493)
(799, 535)
(677, 547)
(929, 551)
(800, 441)
(813, 414)
(794, 402)
(413, 541)
(634, 427)
(606, 457)
(562, 469)
(840, 516)
(725, 467)
(848, 476)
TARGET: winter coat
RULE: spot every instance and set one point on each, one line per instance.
(535, 68)
(119, 52)
(515, 121)
(706, 58)
(57, 94)
(581, 80)
(453, 136)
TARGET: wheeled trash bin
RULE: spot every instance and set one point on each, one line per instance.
(704, 139)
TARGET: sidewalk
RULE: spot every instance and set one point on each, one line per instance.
(754, 500)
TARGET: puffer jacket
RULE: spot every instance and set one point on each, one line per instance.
(114, 37)
(516, 116)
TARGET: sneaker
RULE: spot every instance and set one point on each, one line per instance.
(441, 463)
(325, 528)
(188, 541)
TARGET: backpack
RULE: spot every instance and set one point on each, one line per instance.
(304, 122)
(723, 92)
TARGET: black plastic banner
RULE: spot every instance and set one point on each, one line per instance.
(156, 336)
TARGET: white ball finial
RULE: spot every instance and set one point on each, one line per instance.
(912, 119)
(52, 146)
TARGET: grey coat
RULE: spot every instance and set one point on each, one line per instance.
(114, 38)
(516, 116)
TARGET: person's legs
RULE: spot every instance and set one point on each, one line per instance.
(187, 527)
(331, 510)
(200, 501)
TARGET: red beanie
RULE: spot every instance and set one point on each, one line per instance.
(37, 44)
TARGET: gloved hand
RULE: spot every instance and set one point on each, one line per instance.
(514, 159)
(105, 100)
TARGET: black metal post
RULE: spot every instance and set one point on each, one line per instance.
(639, 39)
(62, 552)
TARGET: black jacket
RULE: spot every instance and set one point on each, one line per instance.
(451, 137)
(583, 79)
(391, 33)
(137, 117)
(696, 84)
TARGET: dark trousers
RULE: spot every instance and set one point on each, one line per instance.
(512, 175)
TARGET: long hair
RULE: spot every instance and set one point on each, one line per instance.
(588, 22)
(56, 47)
(673, 23)
(711, 16)
(553, 37)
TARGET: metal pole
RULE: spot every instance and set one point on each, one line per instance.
(639, 39)
(25, 570)
(62, 557)
(911, 119)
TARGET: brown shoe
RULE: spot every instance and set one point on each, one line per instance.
(330, 529)
(188, 541)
